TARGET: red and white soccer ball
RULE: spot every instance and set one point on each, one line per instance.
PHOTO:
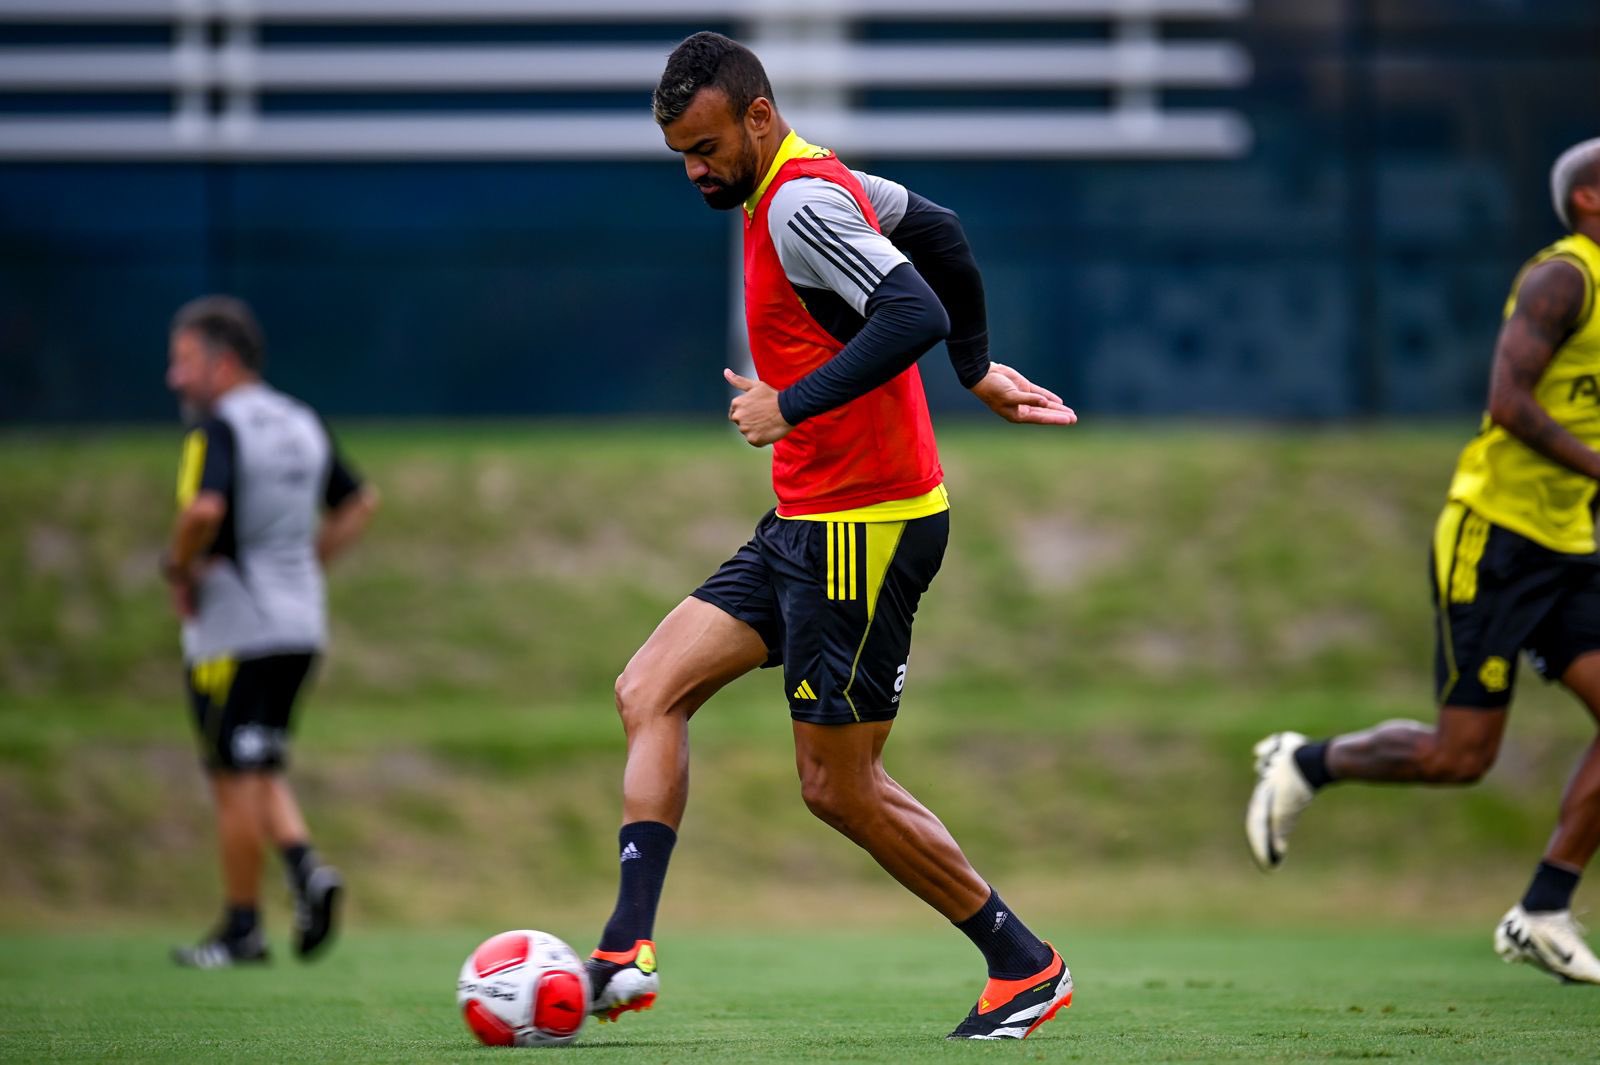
(525, 989)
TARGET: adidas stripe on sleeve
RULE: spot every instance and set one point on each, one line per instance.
(824, 241)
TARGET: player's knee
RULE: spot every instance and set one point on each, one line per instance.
(1460, 765)
(827, 805)
(1471, 767)
(631, 700)
(819, 796)
(236, 789)
(642, 700)
(829, 800)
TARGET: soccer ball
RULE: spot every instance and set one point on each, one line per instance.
(523, 988)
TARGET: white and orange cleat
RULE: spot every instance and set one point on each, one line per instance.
(623, 981)
(1014, 1009)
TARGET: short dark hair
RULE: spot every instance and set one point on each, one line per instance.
(704, 60)
(225, 322)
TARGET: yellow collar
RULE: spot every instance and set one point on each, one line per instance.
(794, 146)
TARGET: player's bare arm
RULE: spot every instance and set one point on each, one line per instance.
(344, 524)
(194, 532)
(1549, 303)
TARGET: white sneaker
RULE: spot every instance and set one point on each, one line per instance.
(1550, 941)
(1281, 793)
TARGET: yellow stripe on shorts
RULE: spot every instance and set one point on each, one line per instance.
(214, 678)
(1459, 540)
(1469, 552)
(883, 539)
(842, 537)
(833, 568)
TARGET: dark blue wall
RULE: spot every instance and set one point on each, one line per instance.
(1354, 263)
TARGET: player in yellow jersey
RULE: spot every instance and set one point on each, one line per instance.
(1514, 569)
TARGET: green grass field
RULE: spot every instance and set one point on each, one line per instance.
(1144, 995)
(1121, 613)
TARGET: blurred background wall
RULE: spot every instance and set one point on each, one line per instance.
(1281, 208)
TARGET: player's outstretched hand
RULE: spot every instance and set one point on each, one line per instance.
(1017, 399)
(755, 411)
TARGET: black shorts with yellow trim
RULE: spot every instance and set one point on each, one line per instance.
(834, 602)
(243, 709)
(1497, 593)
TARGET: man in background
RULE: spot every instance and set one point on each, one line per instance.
(1514, 569)
(265, 501)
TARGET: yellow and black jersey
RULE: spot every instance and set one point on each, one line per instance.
(1510, 484)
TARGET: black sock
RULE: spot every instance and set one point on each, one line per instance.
(299, 859)
(1013, 952)
(1312, 761)
(238, 921)
(645, 847)
(1551, 889)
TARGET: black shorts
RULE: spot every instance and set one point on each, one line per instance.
(243, 709)
(834, 602)
(1496, 593)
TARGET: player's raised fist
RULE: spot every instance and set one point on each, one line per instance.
(755, 411)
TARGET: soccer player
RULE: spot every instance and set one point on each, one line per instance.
(265, 501)
(849, 278)
(1514, 569)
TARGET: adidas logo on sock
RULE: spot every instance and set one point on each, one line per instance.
(999, 919)
(630, 852)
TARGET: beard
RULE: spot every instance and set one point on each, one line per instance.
(722, 195)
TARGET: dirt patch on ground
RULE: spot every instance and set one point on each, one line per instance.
(1059, 553)
(1318, 631)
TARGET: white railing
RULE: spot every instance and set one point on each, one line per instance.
(999, 65)
(806, 47)
(514, 11)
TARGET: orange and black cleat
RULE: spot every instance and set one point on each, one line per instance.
(1012, 1009)
(621, 981)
